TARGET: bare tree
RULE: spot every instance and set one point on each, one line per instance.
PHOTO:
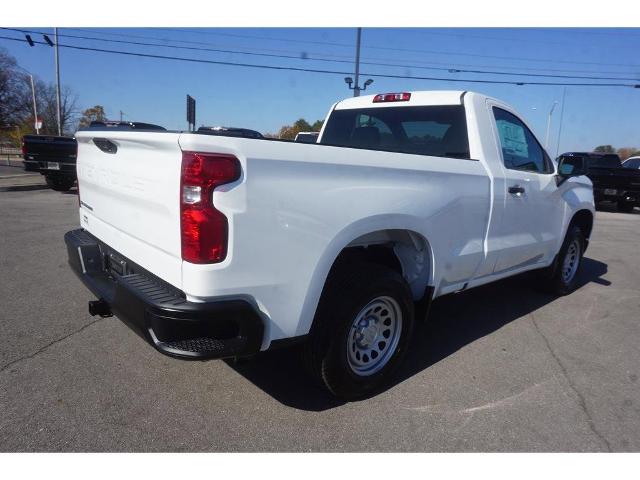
(14, 92)
(47, 105)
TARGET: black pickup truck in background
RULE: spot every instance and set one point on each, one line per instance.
(611, 182)
(53, 157)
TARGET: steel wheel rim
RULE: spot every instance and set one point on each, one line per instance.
(571, 261)
(374, 335)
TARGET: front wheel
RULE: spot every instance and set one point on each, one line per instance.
(561, 277)
(361, 330)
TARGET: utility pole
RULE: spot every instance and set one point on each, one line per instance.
(356, 89)
(57, 59)
(546, 141)
(121, 115)
(564, 93)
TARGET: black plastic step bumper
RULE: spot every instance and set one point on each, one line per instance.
(159, 312)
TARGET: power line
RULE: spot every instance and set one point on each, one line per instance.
(619, 32)
(297, 57)
(348, 57)
(378, 47)
(420, 31)
(331, 72)
(192, 42)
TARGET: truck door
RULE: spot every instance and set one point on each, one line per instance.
(532, 216)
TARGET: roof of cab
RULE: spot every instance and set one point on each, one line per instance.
(421, 97)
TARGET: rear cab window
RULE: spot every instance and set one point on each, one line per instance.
(439, 131)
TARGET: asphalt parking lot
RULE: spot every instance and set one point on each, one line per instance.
(498, 368)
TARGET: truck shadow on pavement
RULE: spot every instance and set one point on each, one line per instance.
(23, 188)
(454, 321)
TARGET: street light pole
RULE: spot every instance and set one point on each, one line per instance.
(33, 97)
(546, 141)
(348, 80)
(356, 89)
(35, 108)
(58, 112)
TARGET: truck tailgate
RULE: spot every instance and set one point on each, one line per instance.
(129, 186)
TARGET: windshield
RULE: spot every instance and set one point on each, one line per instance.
(438, 131)
(632, 163)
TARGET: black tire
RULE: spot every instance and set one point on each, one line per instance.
(59, 184)
(625, 207)
(552, 279)
(350, 289)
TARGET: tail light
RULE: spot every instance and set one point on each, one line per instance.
(203, 229)
(392, 97)
(23, 146)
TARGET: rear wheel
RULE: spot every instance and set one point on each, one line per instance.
(361, 330)
(561, 276)
(625, 207)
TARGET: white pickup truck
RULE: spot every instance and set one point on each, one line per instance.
(213, 247)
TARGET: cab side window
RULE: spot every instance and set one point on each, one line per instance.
(520, 149)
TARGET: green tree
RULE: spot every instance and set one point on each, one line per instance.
(93, 114)
(302, 125)
(289, 132)
(14, 135)
(604, 149)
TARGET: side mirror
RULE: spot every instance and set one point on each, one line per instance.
(570, 167)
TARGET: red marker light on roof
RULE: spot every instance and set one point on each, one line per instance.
(392, 97)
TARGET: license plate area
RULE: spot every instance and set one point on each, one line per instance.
(53, 166)
(610, 191)
(116, 264)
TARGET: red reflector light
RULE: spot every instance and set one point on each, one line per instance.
(203, 229)
(392, 97)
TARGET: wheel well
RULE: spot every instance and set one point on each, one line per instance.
(584, 219)
(404, 251)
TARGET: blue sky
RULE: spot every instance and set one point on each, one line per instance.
(154, 90)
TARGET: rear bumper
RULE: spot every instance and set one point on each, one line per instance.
(31, 165)
(67, 169)
(159, 312)
(621, 195)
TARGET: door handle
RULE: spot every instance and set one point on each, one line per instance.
(516, 190)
